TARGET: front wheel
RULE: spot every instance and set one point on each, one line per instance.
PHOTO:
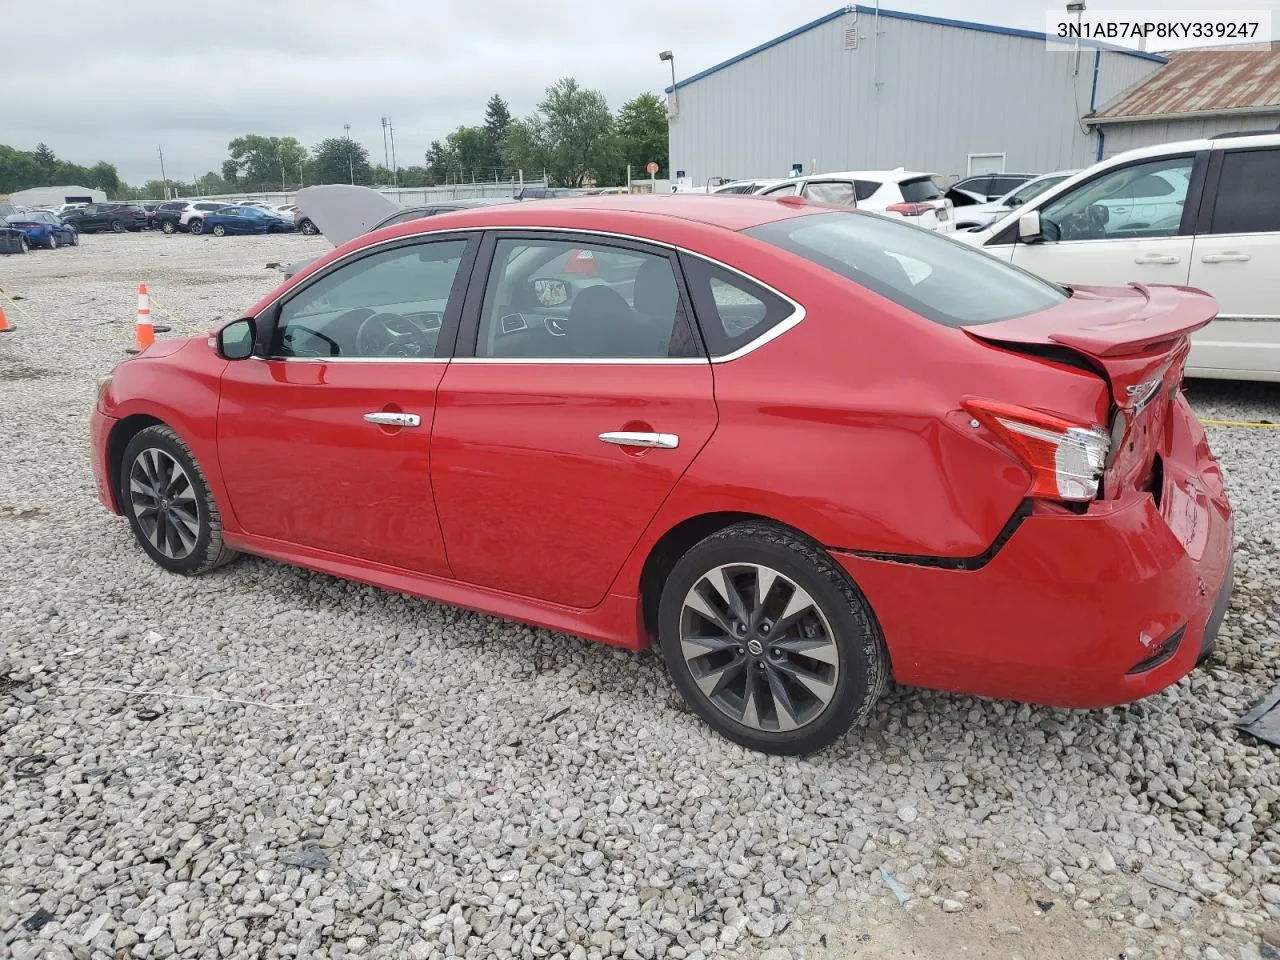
(219, 230)
(167, 500)
(769, 641)
(166, 226)
(308, 228)
(117, 226)
(23, 245)
(53, 242)
(196, 226)
(75, 239)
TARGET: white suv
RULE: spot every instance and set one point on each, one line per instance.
(1203, 213)
(913, 197)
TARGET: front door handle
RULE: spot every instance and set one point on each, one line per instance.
(1157, 258)
(394, 419)
(1228, 257)
(625, 438)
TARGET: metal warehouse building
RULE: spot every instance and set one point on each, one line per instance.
(863, 88)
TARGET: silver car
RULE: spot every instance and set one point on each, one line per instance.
(975, 216)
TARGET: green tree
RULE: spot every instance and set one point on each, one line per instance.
(339, 160)
(497, 118)
(467, 149)
(437, 162)
(524, 147)
(579, 134)
(262, 162)
(47, 160)
(642, 134)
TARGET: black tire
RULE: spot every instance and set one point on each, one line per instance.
(75, 238)
(307, 227)
(196, 225)
(207, 551)
(219, 230)
(53, 241)
(167, 226)
(23, 245)
(842, 618)
(117, 226)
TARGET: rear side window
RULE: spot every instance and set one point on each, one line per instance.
(863, 189)
(731, 309)
(942, 280)
(832, 191)
(1243, 204)
(919, 190)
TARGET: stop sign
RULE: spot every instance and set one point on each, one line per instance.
(651, 167)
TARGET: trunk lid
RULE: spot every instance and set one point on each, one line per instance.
(1137, 339)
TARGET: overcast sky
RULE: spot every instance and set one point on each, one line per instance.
(123, 77)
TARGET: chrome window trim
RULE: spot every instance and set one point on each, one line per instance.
(777, 330)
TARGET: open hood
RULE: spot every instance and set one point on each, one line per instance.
(343, 212)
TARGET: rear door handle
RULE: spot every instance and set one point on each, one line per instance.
(624, 438)
(394, 419)
(1228, 257)
(1157, 258)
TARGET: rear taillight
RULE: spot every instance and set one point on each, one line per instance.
(1066, 459)
(910, 209)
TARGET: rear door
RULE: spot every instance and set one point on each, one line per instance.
(579, 396)
(1092, 235)
(1236, 257)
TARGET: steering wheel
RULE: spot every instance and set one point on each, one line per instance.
(389, 335)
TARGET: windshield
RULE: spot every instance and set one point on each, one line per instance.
(946, 281)
(1016, 198)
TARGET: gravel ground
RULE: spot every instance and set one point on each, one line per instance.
(267, 762)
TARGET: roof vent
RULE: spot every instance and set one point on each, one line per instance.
(851, 31)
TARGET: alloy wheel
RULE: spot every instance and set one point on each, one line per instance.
(758, 647)
(53, 241)
(164, 503)
(219, 231)
(117, 226)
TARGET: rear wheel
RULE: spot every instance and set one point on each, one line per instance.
(167, 500)
(166, 226)
(23, 245)
(75, 239)
(769, 641)
(219, 230)
(196, 226)
(307, 227)
(117, 226)
(53, 241)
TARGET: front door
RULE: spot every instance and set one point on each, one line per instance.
(325, 442)
(1125, 225)
(585, 399)
(1237, 259)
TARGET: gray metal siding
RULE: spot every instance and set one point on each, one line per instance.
(931, 95)
(1145, 133)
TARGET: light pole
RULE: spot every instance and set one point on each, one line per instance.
(395, 180)
(351, 164)
(1077, 7)
(386, 158)
(670, 58)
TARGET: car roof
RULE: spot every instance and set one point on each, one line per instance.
(1221, 142)
(884, 176)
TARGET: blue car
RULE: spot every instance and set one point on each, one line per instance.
(44, 229)
(243, 220)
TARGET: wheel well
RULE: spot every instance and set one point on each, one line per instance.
(673, 545)
(121, 434)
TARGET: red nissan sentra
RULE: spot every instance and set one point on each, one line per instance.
(802, 450)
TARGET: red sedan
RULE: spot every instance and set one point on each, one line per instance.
(802, 450)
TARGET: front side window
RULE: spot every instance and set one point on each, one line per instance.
(571, 299)
(1140, 200)
(942, 280)
(830, 191)
(786, 190)
(1033, 189)
(1248, 201)
(389, 304)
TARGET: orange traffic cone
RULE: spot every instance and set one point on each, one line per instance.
(5, 325)
(144, 333)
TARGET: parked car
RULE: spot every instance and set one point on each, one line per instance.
(12, 240)
(116, 217)
(750, 436)
(985, 187)
(43, 229)
(343, 212)
(243, 220)
(746, 186)
(285, 211)
(191, 217)
(1196, 212)
(894, 193)
(150, 207)
(972, 216)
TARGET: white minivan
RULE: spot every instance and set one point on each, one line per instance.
(1200, 213)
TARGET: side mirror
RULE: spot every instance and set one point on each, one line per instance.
(235, 341)
(550, 293)
(1029, 227)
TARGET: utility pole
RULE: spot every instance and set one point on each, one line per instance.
(386, 158)
(351, 164)
(162, 174)
(395, 180)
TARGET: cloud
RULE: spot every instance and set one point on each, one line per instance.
(190, 77)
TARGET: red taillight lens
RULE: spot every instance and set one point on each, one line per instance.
(910, 209)
(582, 261)
(1066, 459)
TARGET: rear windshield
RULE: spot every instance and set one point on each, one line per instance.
(918, 191)
(943, 280)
